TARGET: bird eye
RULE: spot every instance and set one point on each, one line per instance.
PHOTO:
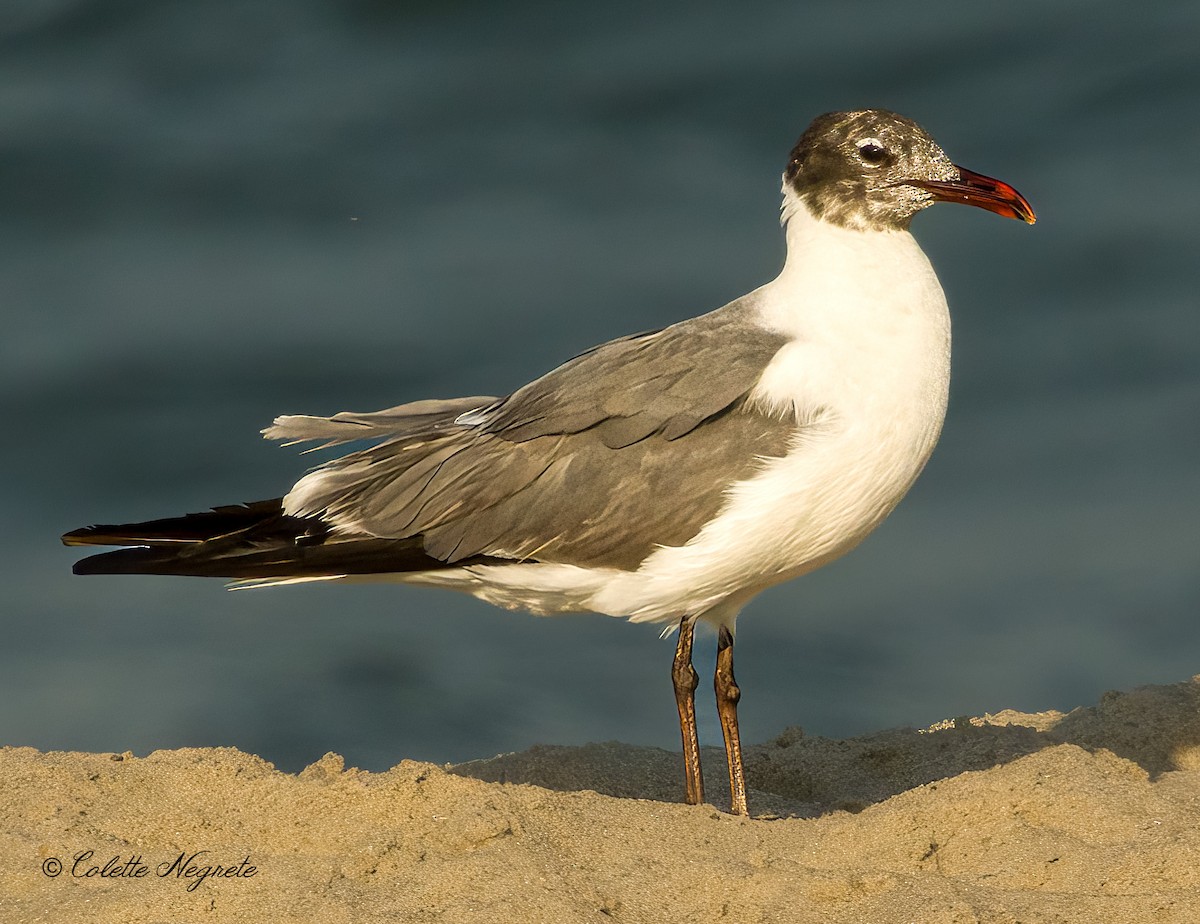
(872, 151)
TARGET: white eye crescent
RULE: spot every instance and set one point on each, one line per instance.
(871, 151)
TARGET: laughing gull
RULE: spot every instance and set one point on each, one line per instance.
(667, 476)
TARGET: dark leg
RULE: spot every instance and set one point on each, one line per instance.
(728, 695)
(684, 676)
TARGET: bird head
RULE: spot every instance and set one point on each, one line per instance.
(874, 170)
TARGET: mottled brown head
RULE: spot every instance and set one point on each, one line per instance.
(875, 169)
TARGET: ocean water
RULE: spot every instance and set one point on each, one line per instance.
(214, 213)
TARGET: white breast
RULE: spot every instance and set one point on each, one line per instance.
(865, 376)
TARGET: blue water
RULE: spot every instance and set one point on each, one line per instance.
(214, 213)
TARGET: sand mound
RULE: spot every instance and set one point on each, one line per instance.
(1093, 816)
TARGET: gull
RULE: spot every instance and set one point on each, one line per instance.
(666, 477)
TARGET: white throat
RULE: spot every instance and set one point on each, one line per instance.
(850, 281)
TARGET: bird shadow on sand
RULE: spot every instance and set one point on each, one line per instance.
(796, 775)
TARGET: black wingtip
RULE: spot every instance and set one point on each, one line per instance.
(155, 560)
(189, 529)
(90, 535)
(119, 561)
(249, 541)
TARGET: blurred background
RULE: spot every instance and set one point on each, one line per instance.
(214, 213)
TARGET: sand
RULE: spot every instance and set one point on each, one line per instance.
(1092, 816)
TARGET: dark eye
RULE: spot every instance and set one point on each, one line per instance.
(872, 152)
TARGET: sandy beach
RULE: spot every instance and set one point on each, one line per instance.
(1090, 816)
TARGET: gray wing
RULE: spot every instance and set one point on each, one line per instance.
(625, 448)
(664, 382)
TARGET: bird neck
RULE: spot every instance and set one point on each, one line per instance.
(813, 242)
(853, 274)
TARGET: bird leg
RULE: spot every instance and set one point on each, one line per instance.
(728, 695)
(685, 679)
